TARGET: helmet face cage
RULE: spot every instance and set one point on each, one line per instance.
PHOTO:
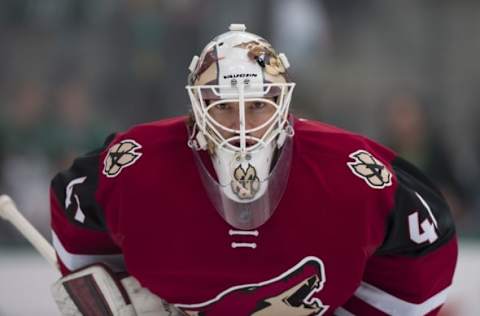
(242, 139)
(249, 143)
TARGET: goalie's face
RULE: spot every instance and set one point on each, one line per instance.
(257, 116)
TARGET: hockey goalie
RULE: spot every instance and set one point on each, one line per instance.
(241, 208)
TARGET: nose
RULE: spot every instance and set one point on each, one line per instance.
(235, 122)
(236, 117)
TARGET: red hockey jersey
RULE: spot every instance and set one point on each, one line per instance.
(358, 231)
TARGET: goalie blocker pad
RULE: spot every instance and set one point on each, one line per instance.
(92, 291)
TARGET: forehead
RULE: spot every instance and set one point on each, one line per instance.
(251, 101)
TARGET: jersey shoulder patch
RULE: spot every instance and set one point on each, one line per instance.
(120, 156)
(370, 169)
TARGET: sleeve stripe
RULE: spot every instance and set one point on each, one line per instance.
(76, 261)
(429, 210)
(392, 305)
(340, 311)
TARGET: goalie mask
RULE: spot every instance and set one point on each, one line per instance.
(240, 95)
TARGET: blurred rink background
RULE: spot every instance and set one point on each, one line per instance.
(405, 73)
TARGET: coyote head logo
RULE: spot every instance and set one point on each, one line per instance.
(291, 293)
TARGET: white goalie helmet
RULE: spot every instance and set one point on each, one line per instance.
(240, 95)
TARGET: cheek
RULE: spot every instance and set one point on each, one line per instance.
(260, 132)
(256, 119)
(215, 114)
(225, 118)
(225, 134)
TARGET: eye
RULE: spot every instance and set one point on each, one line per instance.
(257, 105)
(222, 106)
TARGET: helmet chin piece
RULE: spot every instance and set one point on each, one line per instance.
(253, 212)
(243, 176)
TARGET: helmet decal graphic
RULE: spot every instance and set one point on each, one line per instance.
(245, 183)
(265, 56)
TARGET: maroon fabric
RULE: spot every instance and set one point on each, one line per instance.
(433, 273)
(76, 239)
(177, 245)
(87, 296)
(358, 307)
(434, 312)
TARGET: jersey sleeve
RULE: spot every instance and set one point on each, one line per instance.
(410, 273)
(80, 235)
